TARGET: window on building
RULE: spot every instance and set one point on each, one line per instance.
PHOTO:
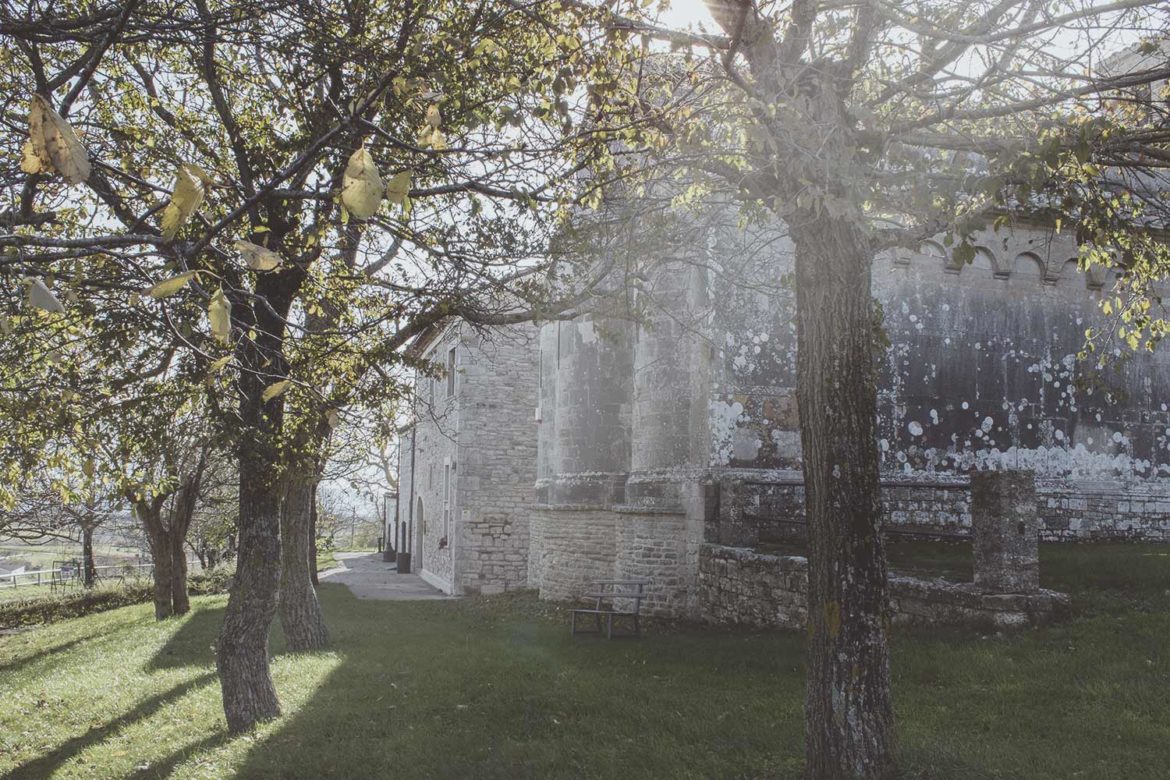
(431, 476)
(451, 372)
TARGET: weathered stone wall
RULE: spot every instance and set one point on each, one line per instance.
(497, 393)
(981, 374)
(767, 507)
(652, 545)
(435, 434)
(476, 431)
(740, 586)
(568, 546)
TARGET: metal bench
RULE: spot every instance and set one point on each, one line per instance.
(604, 593)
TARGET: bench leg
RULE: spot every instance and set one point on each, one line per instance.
(609, 626)
(637, 627)
(597, 620)
(572, 624)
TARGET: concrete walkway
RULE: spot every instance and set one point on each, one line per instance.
(369, 577)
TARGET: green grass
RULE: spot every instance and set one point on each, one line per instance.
(496, 687)
(325, 560)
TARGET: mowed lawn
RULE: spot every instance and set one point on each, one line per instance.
(496, 687)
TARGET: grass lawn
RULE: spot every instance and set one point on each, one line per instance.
(496, 687)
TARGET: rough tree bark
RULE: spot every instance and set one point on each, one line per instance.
(150, 516)
(182, 512)
(89, 569)
(180, 600)
(300, 611)
(313, 537)
(241, 658)
(849, 718)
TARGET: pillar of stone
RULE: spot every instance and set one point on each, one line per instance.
(1006, 529)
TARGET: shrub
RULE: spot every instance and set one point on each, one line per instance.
(51, 607)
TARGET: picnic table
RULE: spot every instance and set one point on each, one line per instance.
(604, 594)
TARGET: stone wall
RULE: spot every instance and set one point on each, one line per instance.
(568, 546)
(652, 545)
(741, 586)
(497, 393)
(768, 507)
(473, 450)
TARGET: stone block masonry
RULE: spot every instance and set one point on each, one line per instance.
(1006, 531)
(741, 586)
(568, 547)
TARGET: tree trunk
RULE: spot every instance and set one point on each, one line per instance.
(313, 538)
(182, 511)
(89, 570)
(249, 695)
(300, 612)
(150, 516)
(848, 714)
(180, 599)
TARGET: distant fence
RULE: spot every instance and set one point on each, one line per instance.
(67, 575)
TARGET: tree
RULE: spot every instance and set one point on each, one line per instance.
(864, 126)
(230, 164)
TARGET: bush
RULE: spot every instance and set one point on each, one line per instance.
(207, 583)
(51, 607)
(75, 603)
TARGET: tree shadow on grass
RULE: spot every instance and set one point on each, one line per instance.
(460, 689)
(193, 644)
(44, 765)
(165, 766)
(44, 653)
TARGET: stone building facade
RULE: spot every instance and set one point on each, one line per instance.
(662, 440)
(670, 450)
(467, 461)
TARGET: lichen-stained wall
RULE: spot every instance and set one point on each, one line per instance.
(983, 368)
(751, 398)
(981, 373)
(588, 412)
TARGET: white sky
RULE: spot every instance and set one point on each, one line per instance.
(682, 13)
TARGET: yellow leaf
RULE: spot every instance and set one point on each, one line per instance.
(171, 286)
(221, 364)
(219, 314)
(30, 160)
(332, 417)
(186, 198)
(54, 141)
(361, 185)
(40, 297)
(434, 117)
(274, 389)
(398, 188)
(257, 257)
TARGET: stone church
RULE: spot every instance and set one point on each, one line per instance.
(668, 448)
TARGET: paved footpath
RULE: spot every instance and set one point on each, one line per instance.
(369, 577)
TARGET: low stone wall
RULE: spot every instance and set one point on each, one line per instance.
(754, 511)
(1090, 511)
(738, 585)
